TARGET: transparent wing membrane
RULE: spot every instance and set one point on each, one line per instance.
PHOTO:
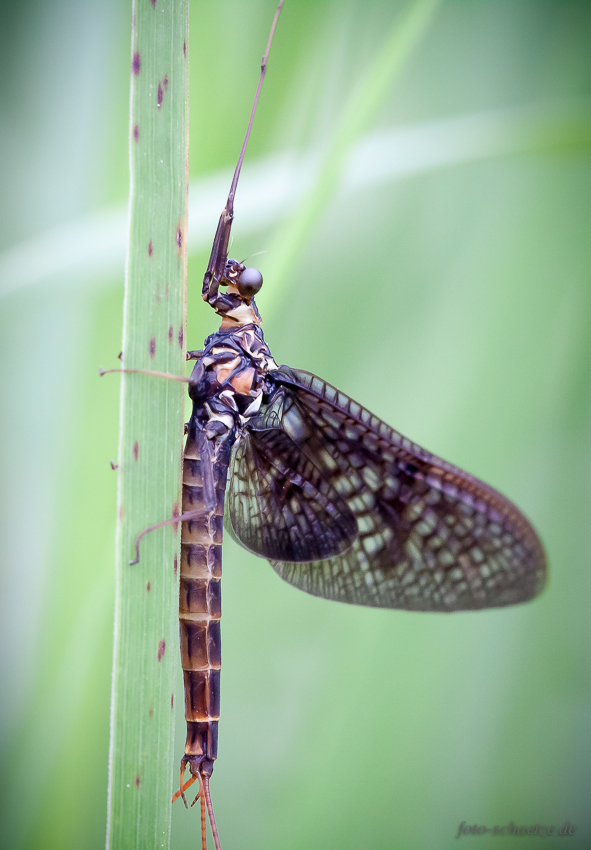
(281, 506)
(346, 508)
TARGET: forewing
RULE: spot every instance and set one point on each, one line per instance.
(279, 503)
(430, 536)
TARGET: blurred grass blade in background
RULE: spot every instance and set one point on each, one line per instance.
(271, 186)
(367, 95)
(146, 629)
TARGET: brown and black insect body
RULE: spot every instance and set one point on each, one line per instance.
(226, 387)
(343, 506)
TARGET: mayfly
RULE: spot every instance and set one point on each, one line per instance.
(340, 504)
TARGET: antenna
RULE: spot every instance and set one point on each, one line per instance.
(219, 250)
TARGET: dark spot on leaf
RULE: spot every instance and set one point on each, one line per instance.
(179, 237)
(172, 700)
(136, 63)
(181, 337)
(152, 347)
(175, 564)
(136, 450)
(150, 249)
(170, 333)
(165, 82)
(175, 513)
(184, 48)
(160, 95)
(114, 465)
(153, 3)
(120, 355)
(161, 649)
(137, 782)
(151, 712)
(136, 132)
(148, 587)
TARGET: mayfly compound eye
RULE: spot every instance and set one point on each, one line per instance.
(249, 282)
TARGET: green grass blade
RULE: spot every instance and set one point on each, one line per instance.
(146, 615)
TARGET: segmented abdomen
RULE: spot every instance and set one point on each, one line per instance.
(200, 605)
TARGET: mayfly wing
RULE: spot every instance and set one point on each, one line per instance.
(428, 536)
(281, 504)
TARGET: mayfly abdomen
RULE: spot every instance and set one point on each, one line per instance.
(200, 597)
(226, 387)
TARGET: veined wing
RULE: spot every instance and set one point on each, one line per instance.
(279, 503)
(429, 536)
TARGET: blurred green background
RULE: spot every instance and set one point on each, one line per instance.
(444, 284)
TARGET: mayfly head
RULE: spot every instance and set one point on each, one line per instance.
(236, 302)
(248, 281)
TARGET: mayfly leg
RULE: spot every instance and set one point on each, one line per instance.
(207, 462)
(174, 520)
(180, 378)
